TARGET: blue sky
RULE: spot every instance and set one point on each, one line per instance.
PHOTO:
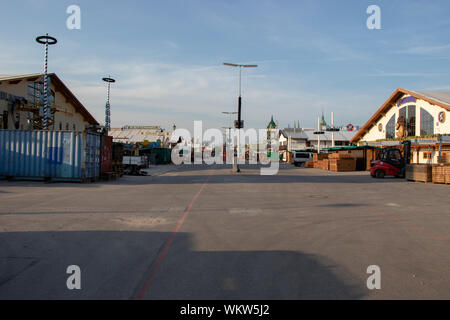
(167, 56)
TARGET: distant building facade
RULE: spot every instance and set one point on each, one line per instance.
(141, 134)
(292, 139)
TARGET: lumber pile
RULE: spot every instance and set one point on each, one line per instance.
(322, 164)
(342, 164)
(319, 156)
(419, 172)
(441, 173)
(340, 156)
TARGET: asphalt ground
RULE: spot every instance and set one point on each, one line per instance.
(203, 232)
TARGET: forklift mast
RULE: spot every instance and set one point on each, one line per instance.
(407, 151)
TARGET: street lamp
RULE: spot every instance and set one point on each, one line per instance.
(109, 80)
(229, 128)
(46, 41)
(319, 132)
(239, 123)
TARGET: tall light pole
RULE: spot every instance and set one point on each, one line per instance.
(333, 129)
(318, 132)
(109, 80)
(229, 128)
(332, 132)
(239, 124)
(46, 41)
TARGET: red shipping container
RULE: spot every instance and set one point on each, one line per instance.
(106, 155)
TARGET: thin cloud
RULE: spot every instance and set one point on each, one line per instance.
(408, 74)
(425, 50)
(172, 44)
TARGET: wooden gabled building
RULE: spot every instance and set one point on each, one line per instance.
(21, 103)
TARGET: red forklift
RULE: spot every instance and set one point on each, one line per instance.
(391, 161)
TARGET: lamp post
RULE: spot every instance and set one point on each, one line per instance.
(332, 132)
(319, 132)
(333, 129)
(46, 41)
(109, 80)
(239, 122)
(229, 128)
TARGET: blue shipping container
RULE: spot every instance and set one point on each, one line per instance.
(55, 155)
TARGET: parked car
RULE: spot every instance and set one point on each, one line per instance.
(299, 158)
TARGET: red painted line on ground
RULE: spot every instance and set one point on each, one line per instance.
(412, 226)
(143, 290)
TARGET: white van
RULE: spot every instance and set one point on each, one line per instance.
(299, 158)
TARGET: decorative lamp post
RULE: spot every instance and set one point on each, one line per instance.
(109, 80)
(46, 41)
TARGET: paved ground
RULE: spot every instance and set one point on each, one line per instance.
(205, 233)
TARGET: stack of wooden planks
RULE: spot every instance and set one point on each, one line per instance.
(342, 164)
(419, 172)
(441, 173)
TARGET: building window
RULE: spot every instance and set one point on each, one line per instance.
(411, 120)
(427, 155)
(67, 126)
(390, 128)
(60, 126)
(409, 114)
(402, 112)
(74, 127)
(426, 123)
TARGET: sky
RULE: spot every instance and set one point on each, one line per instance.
(313, 56)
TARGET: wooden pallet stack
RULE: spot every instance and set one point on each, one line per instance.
(340, 156)
(441, 173)
(343, 165)
(419, 172)
(341, 162)
(319, 161)
(320, 156)
(310, 164)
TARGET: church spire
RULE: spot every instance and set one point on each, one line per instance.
(272, 124)
(323, 123)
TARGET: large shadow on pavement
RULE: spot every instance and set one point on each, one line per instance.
(115, 265)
